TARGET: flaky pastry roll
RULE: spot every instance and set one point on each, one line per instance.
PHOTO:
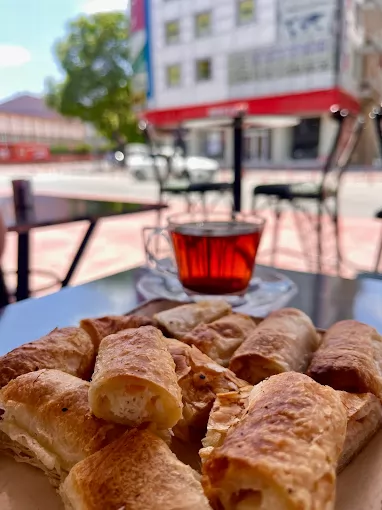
(102, 327)
(45, 421)
(134, 380)
(227, 411)
(364, 419)
(136, 472)
(200, 380)
(220, 339)
(180, 320)
(349, 359)
(283, 342)
(284, 452)
(68, 349)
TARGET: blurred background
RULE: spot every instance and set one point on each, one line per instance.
(114, 100)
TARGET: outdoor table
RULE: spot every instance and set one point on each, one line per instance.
(52, 211)
(325, 299)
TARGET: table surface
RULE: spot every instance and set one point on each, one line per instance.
(50, 210)
(326, 299)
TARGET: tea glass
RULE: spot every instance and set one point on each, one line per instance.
(212, 254)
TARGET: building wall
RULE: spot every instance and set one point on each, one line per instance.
(262, 58)
(15, 128)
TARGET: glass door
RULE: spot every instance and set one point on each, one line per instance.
(257, 145)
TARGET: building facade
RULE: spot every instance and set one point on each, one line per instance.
(26, 119)
(200, 61)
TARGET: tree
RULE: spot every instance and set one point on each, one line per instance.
(94, 57)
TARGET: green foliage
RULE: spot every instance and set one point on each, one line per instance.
(94, 58)
(82, 148)
(57, 150)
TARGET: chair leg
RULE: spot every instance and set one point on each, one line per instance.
(189, 203)
(4, 296)
(300, 232)
(159, 212)
(335, 218)
(319, 237)
(276, 232)
(379, 257)
(204, 203)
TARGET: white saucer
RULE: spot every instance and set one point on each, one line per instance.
(268, 291)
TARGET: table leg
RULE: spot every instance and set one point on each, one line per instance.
(22, 291)
(79, 253)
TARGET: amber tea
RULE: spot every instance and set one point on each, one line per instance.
(216, 257)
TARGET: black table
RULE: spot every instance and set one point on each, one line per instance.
(326, 299)
(50, 211)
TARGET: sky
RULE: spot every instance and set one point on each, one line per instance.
(28, 30)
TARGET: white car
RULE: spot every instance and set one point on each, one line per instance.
(141, 164)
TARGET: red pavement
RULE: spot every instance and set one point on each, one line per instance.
(117, 246)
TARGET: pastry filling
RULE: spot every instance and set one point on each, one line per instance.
(133, 404)
(247, 499)
(23, 438)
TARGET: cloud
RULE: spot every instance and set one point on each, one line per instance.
(13, 56)
(93, 6)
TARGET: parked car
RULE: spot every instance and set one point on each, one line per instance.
(141, 164)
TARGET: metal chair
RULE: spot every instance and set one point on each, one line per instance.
(170, 184)
(379, 254)
(376, 115)
(324, 194)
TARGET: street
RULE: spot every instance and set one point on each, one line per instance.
(117, 243)
(360, 192)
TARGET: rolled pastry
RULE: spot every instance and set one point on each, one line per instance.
(283, 342)
(111, 324)
(364, 419)
(200, 380)
(68, 349)
(349, 359)
(134, 380)
(45, 421)
(220, 339)
(136, 472)
(180, 320)
(227, 411)
(284, 452)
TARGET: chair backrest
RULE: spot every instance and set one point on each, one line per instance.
(163, 163)
(348, 134)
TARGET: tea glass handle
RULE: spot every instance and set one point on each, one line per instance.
(150, 236)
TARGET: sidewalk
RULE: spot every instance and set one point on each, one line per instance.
(117, 246)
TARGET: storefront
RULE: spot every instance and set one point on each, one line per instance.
(205, 64)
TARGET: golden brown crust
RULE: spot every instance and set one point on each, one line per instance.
(181, 320)
(102, 327)
(227, 411)
(364, 419)
(348, 359)
(284, 451)
(136, 357)
(200, 380)
(68, 349)
(136, 472)
(51, 408)
(283, 342)
(220, 339)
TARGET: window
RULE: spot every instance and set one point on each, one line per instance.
(203, 69)
(202, 24)
(305, 139)
(172, 32)
(245, 11)
(173, 75)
